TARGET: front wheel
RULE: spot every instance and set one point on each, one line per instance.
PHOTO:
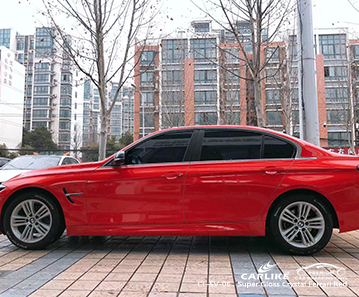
(32, 221)
(301, 224)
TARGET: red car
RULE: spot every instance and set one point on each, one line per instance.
(207, 180)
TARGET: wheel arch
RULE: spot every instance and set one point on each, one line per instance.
(324, 199)
(32, 189)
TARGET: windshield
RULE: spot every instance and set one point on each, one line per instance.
(31, 163)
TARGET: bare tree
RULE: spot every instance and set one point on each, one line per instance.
(77, 140)
(254, 24)
(102, 35)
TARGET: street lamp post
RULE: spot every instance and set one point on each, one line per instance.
(142, 107)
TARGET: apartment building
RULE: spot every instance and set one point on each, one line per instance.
(12, 76)
(199, 78)
(49, 98)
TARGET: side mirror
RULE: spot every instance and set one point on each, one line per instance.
(119, 158)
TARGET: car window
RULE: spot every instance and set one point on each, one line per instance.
(74, 161)
(165, 148)
(230, 145)
(277, 148)
(32, 163)
(66, 161)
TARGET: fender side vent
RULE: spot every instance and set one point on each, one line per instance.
(68, 196)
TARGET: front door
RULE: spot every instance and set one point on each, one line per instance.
(148, 189)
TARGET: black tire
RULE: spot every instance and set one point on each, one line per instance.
(320, 219)
(52, 221)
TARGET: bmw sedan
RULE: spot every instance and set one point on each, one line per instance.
(207, 180)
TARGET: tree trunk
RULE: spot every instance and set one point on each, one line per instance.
(103, 135)
(258, 101)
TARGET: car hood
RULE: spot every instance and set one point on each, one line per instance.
(58, 170)
(7, 174)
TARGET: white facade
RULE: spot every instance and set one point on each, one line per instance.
(12, 76)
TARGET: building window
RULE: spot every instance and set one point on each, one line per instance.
(335, 72)
(336, 95)
(147, 57)
(42, 78)
(65, 126)
(41, 101)
(65, 113)
(36, 125)
(149, 120)
(147, 78)
(66, 78)
(39, 113)
(231, 55)
(338, 138)
(205, 97)
(64, 137)
(356, 51)
(274, 118)
(333, 46)
(174, 51)
(272, 54)
(172, 98)
(201, 27)
(20, 44)
(273, 97)
(172, 119)
(232, 97)
(66, 90)
(205, 118)
(173, 77)
(42, 66)
(147, 99)
(233, 118)
(20, 58)
(41, 90)
(205, 76)
(273, 76)
(337, 117)
(232, 76)
(204, 50)
(65, 102)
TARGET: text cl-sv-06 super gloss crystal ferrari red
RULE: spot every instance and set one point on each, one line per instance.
(203, 180)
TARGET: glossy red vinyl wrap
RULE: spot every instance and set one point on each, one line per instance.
(145, 200)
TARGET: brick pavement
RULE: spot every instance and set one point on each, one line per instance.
(178, 267)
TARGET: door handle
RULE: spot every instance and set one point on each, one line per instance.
(271, 170)
(171, 175)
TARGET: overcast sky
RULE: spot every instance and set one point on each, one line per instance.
(22, 16)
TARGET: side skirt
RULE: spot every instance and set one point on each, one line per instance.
(212, 229)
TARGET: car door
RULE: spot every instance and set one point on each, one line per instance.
(235, 174)
(148, 189)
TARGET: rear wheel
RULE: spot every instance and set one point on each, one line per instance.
(301, 224)
(33, 221)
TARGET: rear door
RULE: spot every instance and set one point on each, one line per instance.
(234, 174)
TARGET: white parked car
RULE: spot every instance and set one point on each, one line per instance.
(32, 162)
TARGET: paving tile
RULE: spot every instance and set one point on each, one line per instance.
(138, 286)
(46, 293)
(110, 286)
(165, 287)
(193, 288)
(83, 285)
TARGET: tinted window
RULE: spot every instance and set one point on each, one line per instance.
(231, 145)
(277, 148)
(32, 163)
(74, 161)
(164, 148)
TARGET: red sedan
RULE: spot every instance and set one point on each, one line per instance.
(208, 180)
